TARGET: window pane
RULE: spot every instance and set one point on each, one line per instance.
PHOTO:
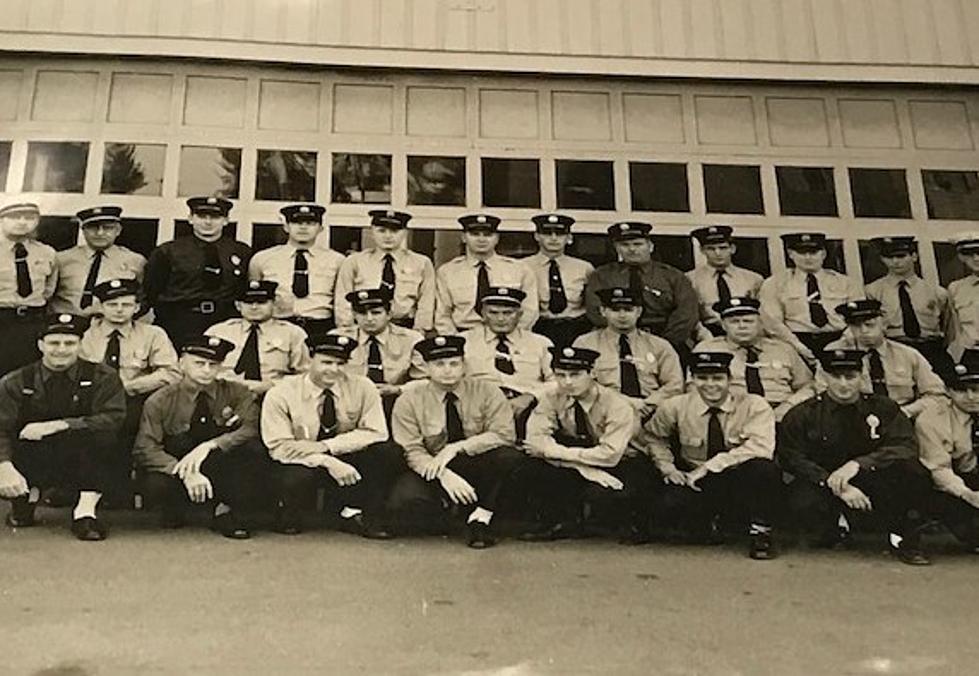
(437, 180)
(585, 184)
(60, 232)
(806, 191)
(873, 267)
(733, 189)
(834, 256)
(133, 169)
(266, 235)
(4, 163)
(55, 167)
(952, 195)
(879, 193)
(752, 254)
(517, 244)
(949, 266)
(511, 183)
(658, 186)
(209, 171)
(286, 175)
(361, 179)
(181, 228)
(345, 238)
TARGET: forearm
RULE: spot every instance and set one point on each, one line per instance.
(228, 440)
(150, 382)
(353, 441)
(481, 443)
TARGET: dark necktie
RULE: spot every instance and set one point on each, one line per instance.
(581, 427)
(212, 266)
(909, 319)
(877, 373)
(453, 423)
(24, 286)
(628, 375)
(93, 277)
(328, 417)
(752, 373)
(723, 290)
(375, 365)
(300, 275)
(715, 433)
(388, 277)
(635, 279)
(817, 313)
(248, 363)
(112, 350)
(503, 362)
(482, 280)
(202, 425)
(558, 301)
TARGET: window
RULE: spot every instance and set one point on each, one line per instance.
(267, 235)
(139, 234)
(361, 179)
(54, 166)
(4, 164)
(733, 189)
(437, 180)
(585, 184)
(511, 183)
(752, 254)
(806, 191)
(834, 256)
(286, 175)
(133, 169)
(659, 186)
(952, 195)
(59, 232)
(879, 193)
(517, 244)
(949, 266)
(206, 170)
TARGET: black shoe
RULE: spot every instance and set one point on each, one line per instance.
(89, 529)
(911, 553)
(21, 514)
(560, 530)
(761, 547)
(287, 522)
(229, 526)
(365, 528)
(479, 536)
(838, 539)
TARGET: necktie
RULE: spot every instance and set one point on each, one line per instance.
(112, 350)
(581, 427)
(635, 279)
(248, 363)
(715, 433)
(300, 275)
(723, 290)
(453, 423)
(752, 375)
(93, 277)
(24, 286)
(816, 310)
(877, 373)
(503, 362)
(375, 365)
(212, 266)
(328, 417)
(558, 301)
(201, 423)
(387, 274)
(628, 375)
(482, 280)
(909, 319)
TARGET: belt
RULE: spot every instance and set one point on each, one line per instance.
(23, 311)
(204, 307)
(306, 320)
(933, 340)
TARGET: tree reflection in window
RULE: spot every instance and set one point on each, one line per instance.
(133, 169)
(286, 175)
(361, 178)
(207, 170)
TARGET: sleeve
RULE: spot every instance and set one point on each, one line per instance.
(162, 362)
(108, 404)
(670, 376)
(928, 385)
(242, 401)
(773, 314)
(443, 304)
(682, 321)
(372, 428)
(803, 387)
(531, 303)
(593, 306)
(156, 275)
(897, 441)
(541, 425)
(500, 426)
(793, 446)
(945, 310)
(407, 433)
(298, 351)
(10, 395)
(659, 432)
(758, 434)
(617, 432)
(935, 447)
(425, 309)
(51, 281)
(343, 311)
(148, 451)
(276, 422)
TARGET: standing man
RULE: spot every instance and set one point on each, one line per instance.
(963, 297)
(462, 281)
(192, 282)
(850, 453)
(28, 278)
(560, 281)
(58, 417)
(407, 276)
(719, 279)
(306, 274)
(95, 261)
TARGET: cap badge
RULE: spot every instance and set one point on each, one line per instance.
(212, 200)
(852, 305)
(97, 210)
(961, 369)
(568, 352)
(64, 319)
(304, 209)
(735, 302)
(805, 238)
(618, 293)
(623, 227)
(504, 292)
(440, 341)
(362, 295)
(390, 214)
(839, 354)
(115, 284)
(253, 284)
(712, 230)
(214, 342)
(342, 340)
(480, 219)
(552, 219)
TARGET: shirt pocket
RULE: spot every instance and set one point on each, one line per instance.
(965, 309)
(900, 377)
(407, 281)
(795, 304)
(526, 362)
(135, 357)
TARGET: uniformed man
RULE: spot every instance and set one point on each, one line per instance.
(560, 280)
(58, 416)
(327, 428)
(636, 363)
(719, 279)
(669, 303)
(768, 367)
(963, 297)
(915, 311)
(849, 453)
(459, 432)
(798, 305)
(714, 448)
(97, 260)
(306, 273)
(408, 276)
(460, 282)
(265, 349)
(192, 282)
(890, 369)
(28, 277)
(198, 439)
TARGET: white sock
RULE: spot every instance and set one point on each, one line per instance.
(350, 512)
(843, 523)
(481, 515)
(221, 509)
(895, 539)
(87, 502)
(34, 495)
(759, 529)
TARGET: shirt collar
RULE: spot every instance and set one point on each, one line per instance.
(105, 328)
(588, 400)
(310, 250)
(378, 255)
(311, 390)
(193, 389)
(727, 406)
(382, 337)
(47, 374)
(473, 261)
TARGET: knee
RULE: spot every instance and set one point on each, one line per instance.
(409, 490)
(156, 488)
(762, 471)
(292, 479)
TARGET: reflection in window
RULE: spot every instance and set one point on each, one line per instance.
(952, 195)
(835, 259)
(733, 189)
(54, 166)
(437, 180)
(585, 184)
(752, 254)
(806, 191)
(139, 234)
(511, 183)
(206, 170)
(879, 193)
(4, 163)
(517, 244)
(659, 186)
(286, 175)
(133, 169)
(361, 179)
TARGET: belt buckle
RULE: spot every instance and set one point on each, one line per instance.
(22, 310)
(207, 307)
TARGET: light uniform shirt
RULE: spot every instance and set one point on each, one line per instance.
(278, 264)
(657, 363)
(529, 355)
(963, 325)
(41, 267)
(747, 420)
(414, 285)
(147, 359)
(574, 274)
(281, 347)
(291, 412)
(704, 279)
(785, 302)
(397, 345)
(944, 434)
(418, 420)
(118, 262)
(930, 303)
(455, 283)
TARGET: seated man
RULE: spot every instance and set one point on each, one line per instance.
(459, 431)
(198, 439)
(582, 432)
(853, 451)
(714, 448)
(326, 428)
(58, 417)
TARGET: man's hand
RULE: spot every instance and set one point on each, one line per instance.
(191, 463)
(36, 431)
(386, 390)
(460, 491)
(199, 488)
(840, 479)
(805, 353)
(600, 477)
(520, 404)
(854, 498)
(694, 476)
(674, 477)
(343, 473)
(12, 483)
(439, 462)
(972, 498)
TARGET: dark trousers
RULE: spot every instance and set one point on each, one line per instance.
(119, 471)
(19, 337)
(817, 342)
(182, 323)
(934, 351)
(960, 517)
(563, 332)
(73, 460)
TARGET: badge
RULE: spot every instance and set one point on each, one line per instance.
(655, 292)
(235, 259)
(873, 422)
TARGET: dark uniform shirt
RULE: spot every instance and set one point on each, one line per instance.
(175, 271)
